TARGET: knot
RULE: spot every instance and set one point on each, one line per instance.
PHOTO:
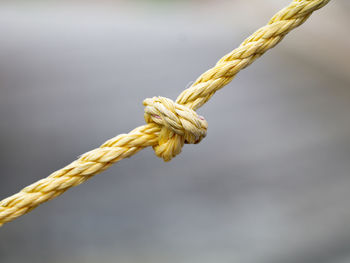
(179, 125)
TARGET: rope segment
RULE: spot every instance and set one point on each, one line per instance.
(169, 124)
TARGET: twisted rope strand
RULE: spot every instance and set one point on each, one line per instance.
(89, 164)
(252, 48)
(170, 125)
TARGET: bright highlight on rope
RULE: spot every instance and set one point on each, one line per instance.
(169, 124)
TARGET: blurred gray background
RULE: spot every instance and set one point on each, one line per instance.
(269, 184)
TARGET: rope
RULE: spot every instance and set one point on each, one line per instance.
(169, 124)
(179, 125)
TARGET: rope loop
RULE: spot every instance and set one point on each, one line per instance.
(179, 124)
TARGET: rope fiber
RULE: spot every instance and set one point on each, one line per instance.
(169, 124)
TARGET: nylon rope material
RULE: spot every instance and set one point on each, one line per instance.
(169, 124)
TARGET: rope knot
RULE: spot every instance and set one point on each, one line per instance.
(179, 125)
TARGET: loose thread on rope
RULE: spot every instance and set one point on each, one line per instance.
(169, 124)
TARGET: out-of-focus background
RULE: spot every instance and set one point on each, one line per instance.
(269, 184)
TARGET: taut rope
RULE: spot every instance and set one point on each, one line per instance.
(169, 124)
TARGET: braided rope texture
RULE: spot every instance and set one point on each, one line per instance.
(169, 124)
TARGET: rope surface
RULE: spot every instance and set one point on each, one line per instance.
(169, 124)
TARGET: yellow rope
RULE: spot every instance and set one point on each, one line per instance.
(169, 124)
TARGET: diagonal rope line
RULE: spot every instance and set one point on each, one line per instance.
(169, 124)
